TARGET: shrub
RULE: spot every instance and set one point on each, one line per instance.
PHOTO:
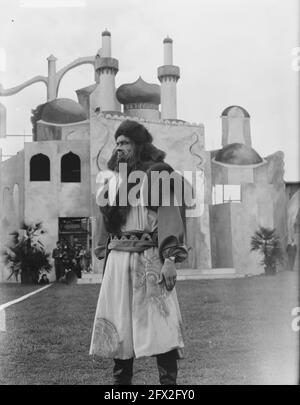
(26, 255)
(267, 243)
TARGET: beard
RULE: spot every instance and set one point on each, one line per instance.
(115, 216)
(122, 157)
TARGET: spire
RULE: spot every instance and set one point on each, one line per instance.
(106, 33)
(168, 40)
(52, 58)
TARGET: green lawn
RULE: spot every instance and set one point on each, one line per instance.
(236, 332)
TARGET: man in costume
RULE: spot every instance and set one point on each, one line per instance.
(137, 312)
(291, 252)
(57, 254)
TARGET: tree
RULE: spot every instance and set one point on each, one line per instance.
(26, 255)
(267, 243)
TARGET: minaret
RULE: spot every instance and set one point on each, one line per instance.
(107, 68)
(168, 75)
(51, 88)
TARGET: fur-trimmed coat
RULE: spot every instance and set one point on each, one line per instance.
(171, 219)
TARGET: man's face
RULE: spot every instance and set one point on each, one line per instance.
(124, 148)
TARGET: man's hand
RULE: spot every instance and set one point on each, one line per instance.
(100, 252)
(168, 274)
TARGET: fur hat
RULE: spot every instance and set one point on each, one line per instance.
(134, 131)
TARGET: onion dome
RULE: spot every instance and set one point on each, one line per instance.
(139, 92)
(235, 111)
(238, 154)
(63, 111)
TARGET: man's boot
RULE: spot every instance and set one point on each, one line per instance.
(122, 372)
(167, 367)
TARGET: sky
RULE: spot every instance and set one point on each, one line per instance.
(230, 52)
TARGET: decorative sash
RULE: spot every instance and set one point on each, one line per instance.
(133, 241)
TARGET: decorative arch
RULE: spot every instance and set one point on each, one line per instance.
(297, 223)
(52, 82)
(85, 60)
(40, 168)
(6, 198)
(7, 213)
(70, 168)
(16, 89)
(16, 202)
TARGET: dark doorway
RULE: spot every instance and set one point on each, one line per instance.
(75, 231)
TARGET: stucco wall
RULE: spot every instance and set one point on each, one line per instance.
(48, 132)
(52, 132)
(263, 204)
(256, 209)
(184, 145)
(234, 174)
(275, 167)
(221, 237)
(275, 176)
(2, 121)
(198, 229)
(77, 131)
(233, 225)
(219, 173)
(47, 200)
(12, 173)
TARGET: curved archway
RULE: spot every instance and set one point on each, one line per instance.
(70, 168)
(40, 168)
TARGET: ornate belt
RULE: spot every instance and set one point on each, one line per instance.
(133, 241)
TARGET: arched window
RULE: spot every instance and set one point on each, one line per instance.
(39, 168)
(70, 168)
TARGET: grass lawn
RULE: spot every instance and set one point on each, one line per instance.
(11, 291)
(236, 332)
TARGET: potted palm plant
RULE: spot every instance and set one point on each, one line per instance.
(267, 243)
(25, 256)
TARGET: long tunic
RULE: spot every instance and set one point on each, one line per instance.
(136, 316)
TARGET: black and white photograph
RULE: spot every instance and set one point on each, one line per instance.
(149, 195)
